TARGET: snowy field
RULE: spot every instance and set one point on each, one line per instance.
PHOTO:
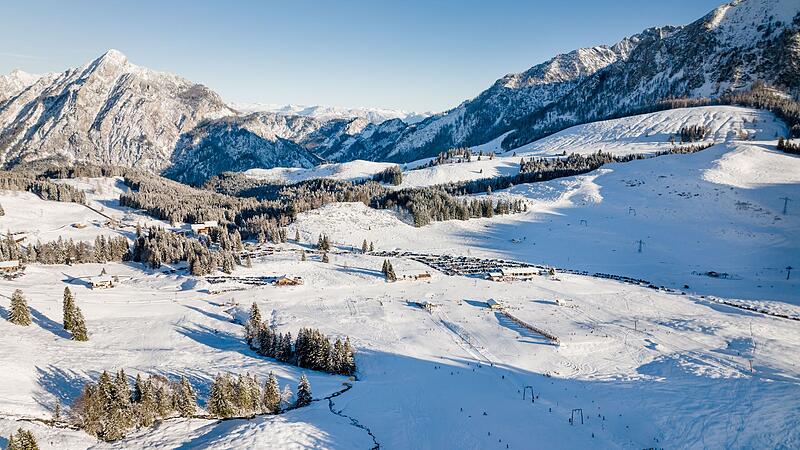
(45, 220)
(347, 171)
(647, 368)
(689, 216)
(647, 133)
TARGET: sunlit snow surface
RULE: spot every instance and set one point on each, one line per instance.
(648, 368)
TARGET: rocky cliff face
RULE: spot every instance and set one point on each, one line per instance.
(108, 111)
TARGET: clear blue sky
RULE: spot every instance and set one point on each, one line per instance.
(416, 55)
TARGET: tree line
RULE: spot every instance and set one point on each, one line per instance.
(60, 251)
(25, 180)
(157, 246)
(310, 350)
(788, 146)
(454, 155)
(391, 175)
(111, 407)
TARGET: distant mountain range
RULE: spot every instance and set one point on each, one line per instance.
(325, 113)
(114, 112)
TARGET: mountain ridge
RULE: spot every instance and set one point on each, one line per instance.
(111, 111)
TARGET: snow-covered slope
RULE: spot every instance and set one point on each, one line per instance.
(726, 50)
(326, 113)
(348, 171)
(653, 132)
(717, 210)
(641, 134)
(647, 367)
(15, 82)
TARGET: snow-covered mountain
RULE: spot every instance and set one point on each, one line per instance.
(15, 82)
(728, 49)
(111, 111)
(108, 110)
(325, 113)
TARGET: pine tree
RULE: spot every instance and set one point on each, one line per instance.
(371, 247)
(325, 258)
(79, 332)
(389, 272)
(253, 325)
(248, 262)
(302, 255)
(243, 397)
(138, 389)
(20, 314)
(123, 388)
(185, 399)
(272, 395)
(338, 357)
(220, 400)
(349, 362)
(297, 235)
(145, 398)
(69, 309)
(255, 393)
(364, 246)
(303, 392)
(119, 415)
(264, 339)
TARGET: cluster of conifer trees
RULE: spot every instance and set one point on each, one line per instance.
(157, 246)
(244, 396)
(693, 133)
(788, 147)
(60, 251)
(388, 271)
(436, 204)
(311, 350)
(455, 155)
(323, 243)
(109, 408)
(367, 247)
(391, 175)
(24, 180)
(22, 440)
(424, 204)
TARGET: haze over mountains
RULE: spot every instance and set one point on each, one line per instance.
(111, 111)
